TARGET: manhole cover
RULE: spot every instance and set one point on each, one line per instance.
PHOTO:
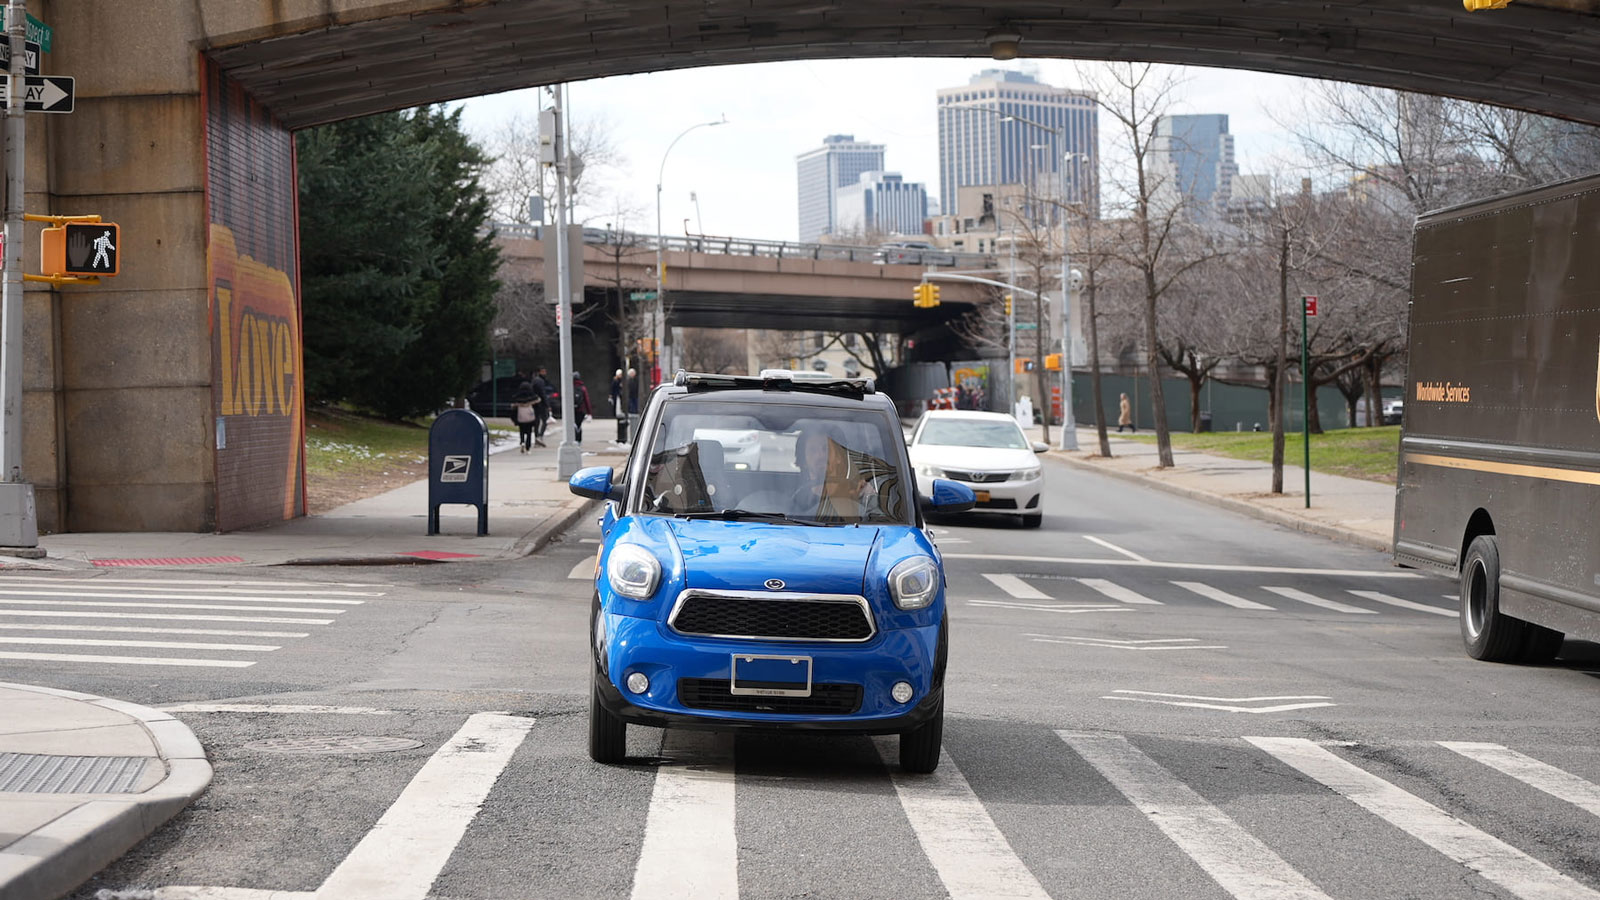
(336, 744)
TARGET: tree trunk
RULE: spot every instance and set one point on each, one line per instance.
(1276, 401)
(1094, 373)
(1041, 375)
(1158, 400)
(1196, 381)
(1374, 391)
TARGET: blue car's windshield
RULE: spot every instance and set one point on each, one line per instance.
(776, 461)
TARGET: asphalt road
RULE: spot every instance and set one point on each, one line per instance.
(1147, 699)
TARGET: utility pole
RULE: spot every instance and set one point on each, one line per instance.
(19, 526)
(1069, 426)
(569, 456)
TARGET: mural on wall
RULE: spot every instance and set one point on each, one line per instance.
(251, 262)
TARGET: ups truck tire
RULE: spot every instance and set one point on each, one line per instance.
(1488, 635)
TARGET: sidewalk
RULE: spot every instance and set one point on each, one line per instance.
(1345, 509)
(82, 780)
(527, 506)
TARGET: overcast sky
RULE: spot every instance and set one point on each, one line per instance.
(743, 173)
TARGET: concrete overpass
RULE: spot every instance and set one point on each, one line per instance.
(742, 283)
(170, 399)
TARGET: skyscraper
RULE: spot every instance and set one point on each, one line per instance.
(978, 146)
(1195, 156)
(838, 162)
(881, 201)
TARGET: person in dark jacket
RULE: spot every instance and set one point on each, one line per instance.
(541, 411)
(580, 407)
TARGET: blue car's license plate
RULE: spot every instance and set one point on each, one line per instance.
(771, 676)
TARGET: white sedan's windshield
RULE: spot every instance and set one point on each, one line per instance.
(972, 433)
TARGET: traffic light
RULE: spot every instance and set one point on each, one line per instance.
(1052, 362)
(925, 295)
(933, 295)
(1008, 304)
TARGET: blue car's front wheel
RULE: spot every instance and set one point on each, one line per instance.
(608, 735)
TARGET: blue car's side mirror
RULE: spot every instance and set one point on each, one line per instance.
(595, 483)
(949, 497)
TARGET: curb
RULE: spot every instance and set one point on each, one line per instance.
(1287, 520)
(535, 540)
(54, 859)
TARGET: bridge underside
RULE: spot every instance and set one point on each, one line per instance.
(697, 309)
(311, 66)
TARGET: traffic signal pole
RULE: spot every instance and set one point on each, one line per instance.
(19, 528)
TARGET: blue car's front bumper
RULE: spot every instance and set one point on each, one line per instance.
(629, 644)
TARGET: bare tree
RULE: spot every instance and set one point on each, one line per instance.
(720, 351)
(516, 175)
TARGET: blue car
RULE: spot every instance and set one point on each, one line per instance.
(794, 590)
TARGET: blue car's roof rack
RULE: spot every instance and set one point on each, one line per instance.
(777, 380)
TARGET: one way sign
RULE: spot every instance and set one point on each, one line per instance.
(44, 93)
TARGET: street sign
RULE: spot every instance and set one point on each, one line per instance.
(80, 248)
(642, 295)
(43, 93)
(1027, 326)
(1311, 306)
(30, 58)
(37, 31)
(504, 367)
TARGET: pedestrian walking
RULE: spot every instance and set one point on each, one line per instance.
(1125, 416)
(580, 407)
(541, 386)
(523, 405)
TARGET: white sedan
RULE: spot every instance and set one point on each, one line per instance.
(986, 452)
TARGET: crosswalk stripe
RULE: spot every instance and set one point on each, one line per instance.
(1403, 604)
(1016, 587)
(217, 606)
(1221, 596)
(1543, 776)
(165, 645)
(1492, 858)
(583, 571)
(1048, 607)
(1314, 600)
(966, 848)
(131, 660)
(1117, 592)
(1240, 863)
(174, 586)
(302, 586)
(403, 854)
(690, 850)
(165, 617)
(123, 629)
(123, 595)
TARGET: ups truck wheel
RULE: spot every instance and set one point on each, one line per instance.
(1488, 634)
(1540, 644)
(608, 735)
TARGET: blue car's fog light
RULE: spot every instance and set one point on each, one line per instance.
(901, 692)
(638, 682)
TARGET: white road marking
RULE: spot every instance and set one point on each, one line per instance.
(583, 571)
(1117, 592)
(1210, 567)
(1404, 604)
(220, 606)
(966, 848)
(284, 709)
(690, 849)
(1314, 600)
(1016, 587)
(204, 893)
(1221, 596)
(403, 854)
(1510, 868)
(130, 585)
(1241, 864)
(132, 660)
(165, 645)
(1559, 784)
(302, 586)
(124, 595)
(1048, 607)
(122, 629)
(1114, 548)
(1223, 704)
(588, 540)
(73, 614)
(1146, 644)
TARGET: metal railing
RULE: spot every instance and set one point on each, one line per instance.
(736, 246)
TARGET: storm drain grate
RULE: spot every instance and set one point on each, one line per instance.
(335, 744)
(33, 773)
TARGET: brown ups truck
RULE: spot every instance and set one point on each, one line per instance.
(1499, 473)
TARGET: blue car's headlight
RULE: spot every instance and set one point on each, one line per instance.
(914, 582)
(633, 571)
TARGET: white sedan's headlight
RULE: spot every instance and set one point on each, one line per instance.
(914, 582)
(633, 571)
(930, 471)
(1025, 474)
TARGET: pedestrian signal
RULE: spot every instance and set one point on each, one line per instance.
(88, 248)
(1052, 362)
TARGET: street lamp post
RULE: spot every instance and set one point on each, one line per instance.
(660, 326)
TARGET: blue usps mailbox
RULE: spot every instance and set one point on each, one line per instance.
(458, 465)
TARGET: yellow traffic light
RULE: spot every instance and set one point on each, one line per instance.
(919, 295)
(1475, 5)
(1008, 304)
(933, 295)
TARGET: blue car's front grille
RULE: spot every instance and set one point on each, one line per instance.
(767, 617)
(825, 699)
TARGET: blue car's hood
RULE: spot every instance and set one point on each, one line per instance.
(743, 555)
